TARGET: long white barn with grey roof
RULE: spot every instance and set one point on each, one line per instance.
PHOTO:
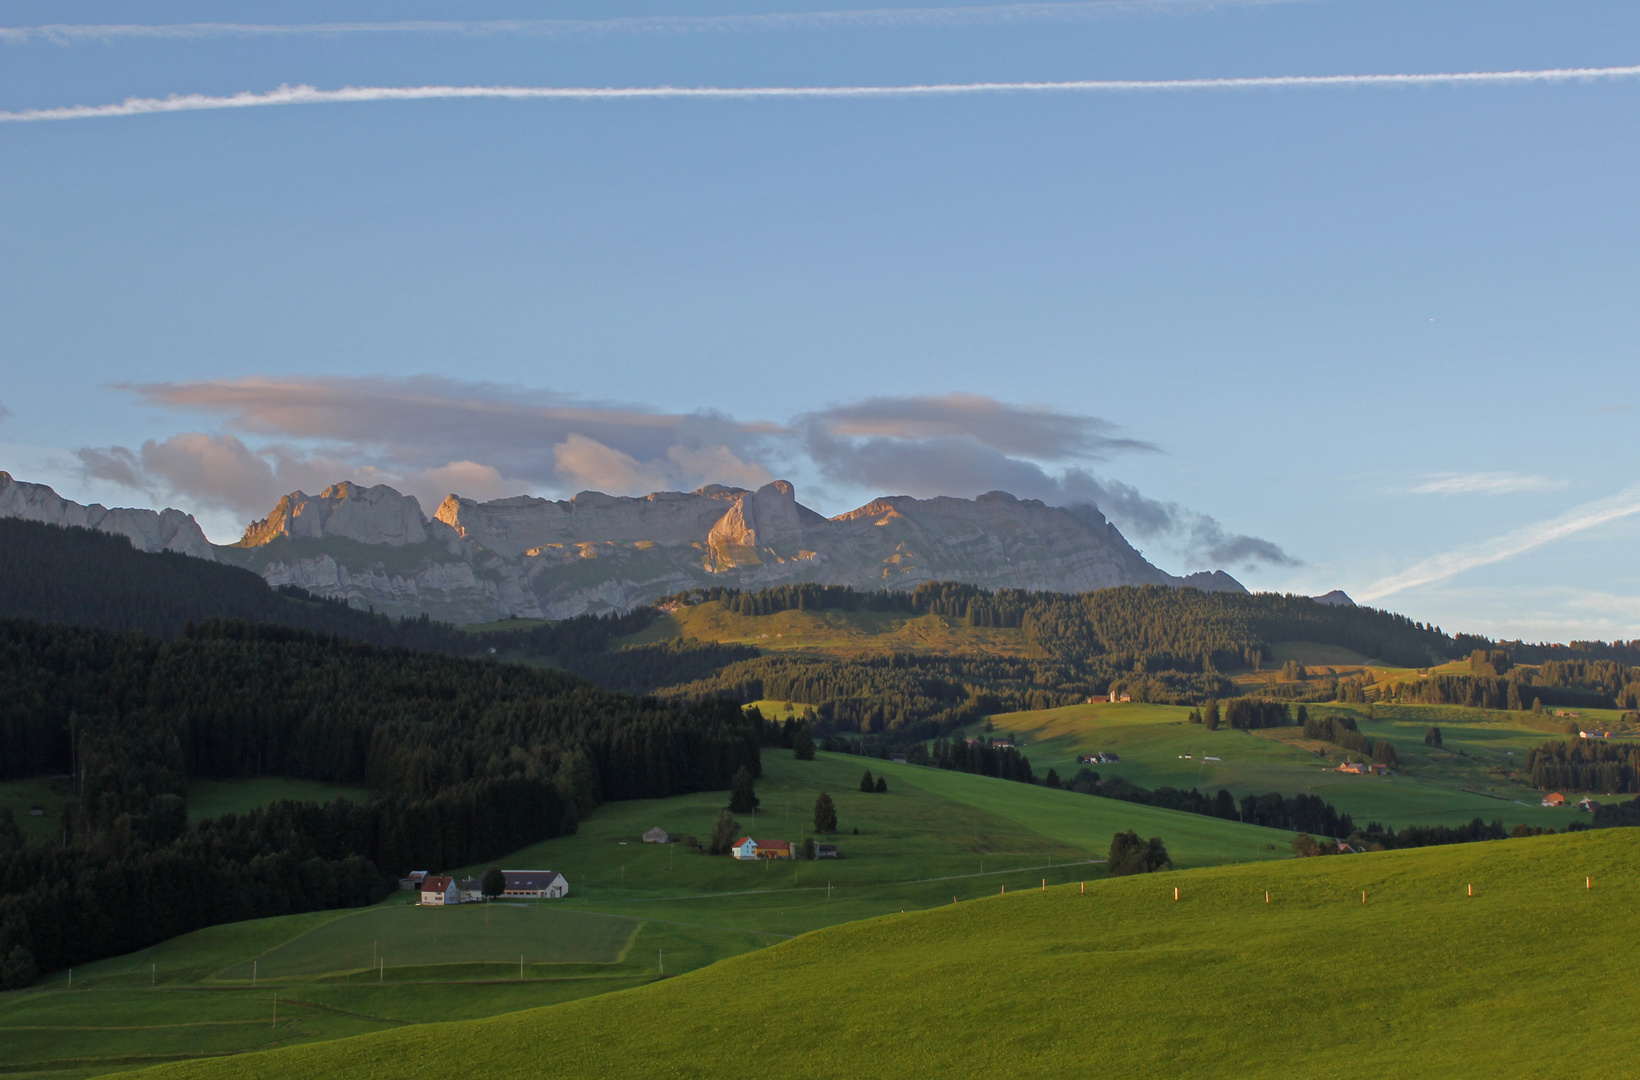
(536, 884)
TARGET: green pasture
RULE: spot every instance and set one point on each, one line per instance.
(1418, 979)
(213, 798)
(932, 839)
(1479, 771)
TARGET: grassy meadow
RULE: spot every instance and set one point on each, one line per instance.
(1418, 979)
(1477, 772)
(932, 838)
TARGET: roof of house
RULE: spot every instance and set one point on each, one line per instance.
(467, 885)
(435, 884)
(774, 845)
(825, 847)
(529, 880)
(744, 840)
(1554, 796)
(656, 831)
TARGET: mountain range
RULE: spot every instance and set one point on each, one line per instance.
(539, 558)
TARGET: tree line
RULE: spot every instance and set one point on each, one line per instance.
(464, 760)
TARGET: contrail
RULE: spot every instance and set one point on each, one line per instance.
(308, 95)
(1507, 546)
(889, 18)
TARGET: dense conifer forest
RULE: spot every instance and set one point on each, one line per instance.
(464, 760)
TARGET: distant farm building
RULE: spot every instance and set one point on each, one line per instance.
(1114, 697)
(748, 848)
(1002, 742)
(1098, 759)
(413, 881)
(1554, 798)
(471, 889)
(825, 851)
(535, 884)
(898, 759)
(1594, 734)
(1588, 805)
(1364, 768)
(36, 811)
(439, 891)
(657, 835)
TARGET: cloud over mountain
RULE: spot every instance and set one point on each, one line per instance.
(428, 436)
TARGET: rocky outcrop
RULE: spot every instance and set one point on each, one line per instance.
(372, 515)
(1336, 598)
(148, 530)
(534, 558)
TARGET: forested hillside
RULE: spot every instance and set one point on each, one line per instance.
(464, 759)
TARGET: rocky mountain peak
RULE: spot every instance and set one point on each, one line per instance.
(369, 515)
(148, 530)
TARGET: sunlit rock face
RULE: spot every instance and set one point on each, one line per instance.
(541, 558)
(148, 530)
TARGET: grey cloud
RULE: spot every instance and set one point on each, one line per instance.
(1035, 432)
(954, 462)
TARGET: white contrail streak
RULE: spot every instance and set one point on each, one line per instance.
(1507, 546)
(889, 18)
(308, 95)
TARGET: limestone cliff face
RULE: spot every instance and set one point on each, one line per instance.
(148, 530)
(373, 515)
(540, 558)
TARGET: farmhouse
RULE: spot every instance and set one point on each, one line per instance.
(1554, 798)
(898, 759)
(1588, 805)
(535, 884)
(657, 835)
(439, 890)
(825, 851)
(1002, 742)
(36, 811)
(471, 889)
(1594, 734)
(1364, 768)
(748, 848)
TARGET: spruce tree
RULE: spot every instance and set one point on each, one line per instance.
(825, 814)
(1432, 737)
(867, 784)
(1053, 779)
(882, 785)
(742, 799)
(723, 837)
(803, 744)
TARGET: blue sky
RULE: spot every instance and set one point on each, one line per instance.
(1373, 337)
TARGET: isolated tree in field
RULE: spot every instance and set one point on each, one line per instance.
(1131, 855)
(882, 785)
(803, 743)
(825, 814)
(1211, 716)
(1432, 737)
(1195, 716)
(494, 883)
(1053, 779)
(742, 799)
(867, 784)
(723, 837)
(1384, 754)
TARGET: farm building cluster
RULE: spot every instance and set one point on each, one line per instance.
(1555, 800)
(1102, 758)
(440, 890)
(750, 848)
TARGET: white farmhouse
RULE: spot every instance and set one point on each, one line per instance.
(536, 884)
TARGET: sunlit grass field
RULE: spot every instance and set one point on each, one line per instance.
(1418, 979)
(1468, 776)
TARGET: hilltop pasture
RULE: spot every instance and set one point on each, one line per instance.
(1381, 965)
(1477, 772)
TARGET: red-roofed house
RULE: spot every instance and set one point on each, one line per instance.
(748, 848)
(1554, 798)
(439, 890)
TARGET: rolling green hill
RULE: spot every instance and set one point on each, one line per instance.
(931, 838)
(1380, 965)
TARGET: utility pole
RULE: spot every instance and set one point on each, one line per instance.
(660, 961)
(253, 972)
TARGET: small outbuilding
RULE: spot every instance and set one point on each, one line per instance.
(1554, 798)
(657, 835)
(471, 890)
(825, 851)
(36, 811)
(1588, 805)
